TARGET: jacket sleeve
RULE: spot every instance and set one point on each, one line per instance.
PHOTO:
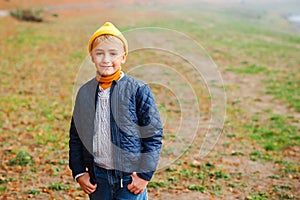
(151, 131)
(75, 152)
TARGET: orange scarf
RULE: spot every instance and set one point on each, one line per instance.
(106, 81)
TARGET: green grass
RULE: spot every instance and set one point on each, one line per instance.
(206, 173)
(22, 159)
(286, 88)
(221, 175)
(249, 69)
(58, 187)
(290, 169)
(260, 196)
(201, 175)
(198, 188)
(286, 196)
(275, 134)
(31, 38)
(257, 155)
(34, 192)
(283, 87)
(158, 184)
(40, 62)
(236, 153)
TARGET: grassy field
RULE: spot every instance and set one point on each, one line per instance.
(256, 50)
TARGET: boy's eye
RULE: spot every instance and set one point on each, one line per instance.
(113, 54)
(99, 54)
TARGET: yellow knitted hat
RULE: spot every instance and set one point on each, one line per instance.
(110, 29)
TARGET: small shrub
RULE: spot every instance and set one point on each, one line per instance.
(22, 159)
(274, 177)
(34, 192)
(158, 184)
(28, 14)
(201, 175)
(58, 186)
(209, 166)
(222, 175)
(186, 173)
(173, 179)
(217, 188)
(285, 196)
(281, 187)
(2, 188)
(260, 196)
(170, 169)
(198, 188)
(236, 153)
(269, 146)
(3, 180)
(289, 169)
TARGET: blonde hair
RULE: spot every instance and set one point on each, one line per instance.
(98, 40)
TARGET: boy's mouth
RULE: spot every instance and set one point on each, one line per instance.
(106, 66)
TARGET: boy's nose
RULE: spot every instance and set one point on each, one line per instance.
(106, 59)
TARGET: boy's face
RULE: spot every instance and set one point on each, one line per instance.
(108, 56)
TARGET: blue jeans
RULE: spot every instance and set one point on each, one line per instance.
(109, 187)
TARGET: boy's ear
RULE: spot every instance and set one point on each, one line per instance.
(123, 59)
(92, 58)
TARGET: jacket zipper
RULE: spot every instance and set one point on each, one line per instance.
(116, 129)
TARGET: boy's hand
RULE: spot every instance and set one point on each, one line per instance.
(85, 184)
(137, 185)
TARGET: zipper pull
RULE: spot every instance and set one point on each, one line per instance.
(121, 183)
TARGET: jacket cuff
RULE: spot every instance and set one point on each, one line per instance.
(78, 175)
(146, 176)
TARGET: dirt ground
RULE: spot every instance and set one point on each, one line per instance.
(249, 91)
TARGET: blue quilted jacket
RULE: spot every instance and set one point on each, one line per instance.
(136, 129)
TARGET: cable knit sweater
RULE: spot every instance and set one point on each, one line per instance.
(102, 145)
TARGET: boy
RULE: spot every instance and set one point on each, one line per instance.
(116, 132)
